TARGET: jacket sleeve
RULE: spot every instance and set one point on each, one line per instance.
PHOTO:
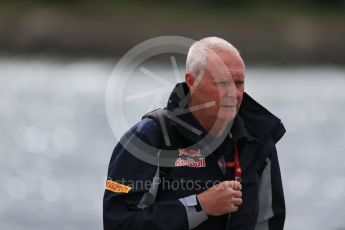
(271, 197)
(131, 178)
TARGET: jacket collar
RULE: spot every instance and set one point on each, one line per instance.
(239, 130)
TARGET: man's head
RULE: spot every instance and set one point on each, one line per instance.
(215, 75)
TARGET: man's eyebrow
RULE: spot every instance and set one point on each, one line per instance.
(238, 76)
(222, 80)
(243, 76)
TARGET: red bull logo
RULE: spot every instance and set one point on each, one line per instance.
(190, 162)
(189, 152)
(192, 158)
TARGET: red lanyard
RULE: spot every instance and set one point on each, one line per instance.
(235, 164)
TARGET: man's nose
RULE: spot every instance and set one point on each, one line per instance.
(231, 90)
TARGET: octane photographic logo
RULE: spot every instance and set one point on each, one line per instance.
(120, 97)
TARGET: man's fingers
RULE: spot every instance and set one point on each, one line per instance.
(237, 185)
(233, 208)
(237, 194)
(233, 184)
(237, 201)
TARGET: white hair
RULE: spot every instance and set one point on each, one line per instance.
(197, 54)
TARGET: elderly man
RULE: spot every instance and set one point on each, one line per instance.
(225, 151)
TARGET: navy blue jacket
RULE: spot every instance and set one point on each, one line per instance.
(255, 131)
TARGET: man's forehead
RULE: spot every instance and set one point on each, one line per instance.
(240, 68)
(232, 62)
(225, 77)
(226, 71)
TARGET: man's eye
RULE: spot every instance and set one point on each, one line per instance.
(223, 83)
(239, 83)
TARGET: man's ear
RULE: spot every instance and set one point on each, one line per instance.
(190, 80)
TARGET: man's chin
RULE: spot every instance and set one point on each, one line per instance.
(222, 122)
(227, 114)
(226, 118)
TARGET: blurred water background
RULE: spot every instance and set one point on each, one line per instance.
(56, 141)
(56, 58)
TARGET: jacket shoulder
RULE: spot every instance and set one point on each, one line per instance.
(132, 152)
(147, 130)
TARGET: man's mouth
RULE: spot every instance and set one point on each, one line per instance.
(228, 106)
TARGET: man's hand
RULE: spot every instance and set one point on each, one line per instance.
(222, 198)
